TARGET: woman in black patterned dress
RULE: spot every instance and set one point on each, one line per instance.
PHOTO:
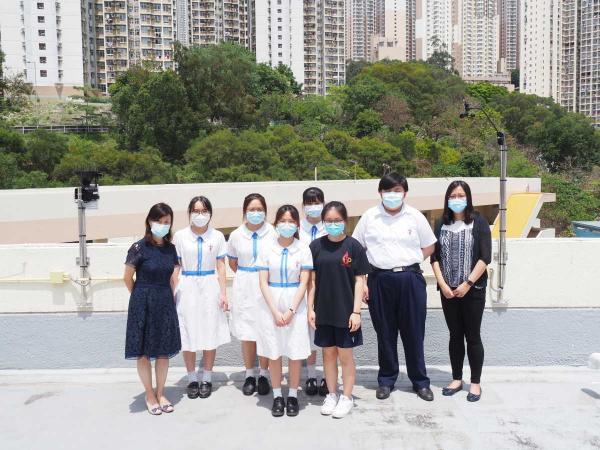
(462, 253)
(152, 325)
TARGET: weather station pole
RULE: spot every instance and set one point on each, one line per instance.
(86, 196)
(502, 256)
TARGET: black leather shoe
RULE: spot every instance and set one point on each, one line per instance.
(424, 394)
(292, 407)
(205, 389)
(323, 391)
(383, 392)
(473, 397)
(278, 407)
(263, 386)
(193, 389)
(311, 387)
(448, 392)
(249, 386)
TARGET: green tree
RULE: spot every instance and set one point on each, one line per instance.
(44, 151)
(152, 110)
(367, 122)
(221, 82)
(486, 91)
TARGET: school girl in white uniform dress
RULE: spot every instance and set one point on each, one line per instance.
(244, 247)
(283, 322)
(200, 297)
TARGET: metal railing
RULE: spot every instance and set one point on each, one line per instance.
(63, 128)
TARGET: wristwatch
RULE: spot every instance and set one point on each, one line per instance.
(292, 310)
(470, 283)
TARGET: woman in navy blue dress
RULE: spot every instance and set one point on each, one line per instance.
(152, 325)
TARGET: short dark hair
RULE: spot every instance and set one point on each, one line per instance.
(156, 213)
(338, 206)
(313, 195)
(448, 216)
(391, 180)
(248, 199)
(293, 211)
(202, 199)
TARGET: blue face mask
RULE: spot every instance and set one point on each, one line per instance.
(334, 228)
(255, 217)
(392, 200)
(159, 230)
(313, 211)
(457, 205)
(286, 229)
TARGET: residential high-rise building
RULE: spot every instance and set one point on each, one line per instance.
(434, 27)
(324, 45)
(211, 22)
(508, 12)
(42, 39)
(361, 29)
(397, 39)
(478, 38)
(278, 34)
(559, 53)
(130, 32)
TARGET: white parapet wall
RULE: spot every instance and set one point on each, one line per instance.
(541, 273)
(50, 215)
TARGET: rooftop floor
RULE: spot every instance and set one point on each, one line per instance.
(530, 408)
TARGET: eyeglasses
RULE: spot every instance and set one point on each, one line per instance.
(334, 222)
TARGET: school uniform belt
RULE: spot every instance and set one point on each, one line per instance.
(197, 273)
(249, 269)
(283, 285)
(412, 268)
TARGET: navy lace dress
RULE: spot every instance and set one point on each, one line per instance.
(152, 325)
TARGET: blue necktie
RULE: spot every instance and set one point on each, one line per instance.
(254, 246)
(283, 269)
(313, 232)
(200, 240)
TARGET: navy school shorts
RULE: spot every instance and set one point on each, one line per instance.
(330, 336)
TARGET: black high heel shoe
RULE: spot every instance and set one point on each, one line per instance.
(448, 392)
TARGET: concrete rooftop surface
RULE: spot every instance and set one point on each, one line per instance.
(521, 408)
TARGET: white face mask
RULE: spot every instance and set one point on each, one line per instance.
(200, 219)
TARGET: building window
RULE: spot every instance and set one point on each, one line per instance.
(40, 6)
(280, 45)
(41, 19)
(43, 73)
(42, 46)
(41, 32)
(43, 59)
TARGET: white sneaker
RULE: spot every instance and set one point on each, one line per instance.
(343, 407)
(329, 404)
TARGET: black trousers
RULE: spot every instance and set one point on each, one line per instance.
(463, 317)
(398, 303)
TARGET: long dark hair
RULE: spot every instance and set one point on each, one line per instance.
(448, 217)
(205, 202)
(338, 206)
(295, 216)
(251, 197)
(156, 213)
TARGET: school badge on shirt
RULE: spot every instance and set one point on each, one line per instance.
(346, 259)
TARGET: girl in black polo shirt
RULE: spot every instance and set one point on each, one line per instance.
(335, 297)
